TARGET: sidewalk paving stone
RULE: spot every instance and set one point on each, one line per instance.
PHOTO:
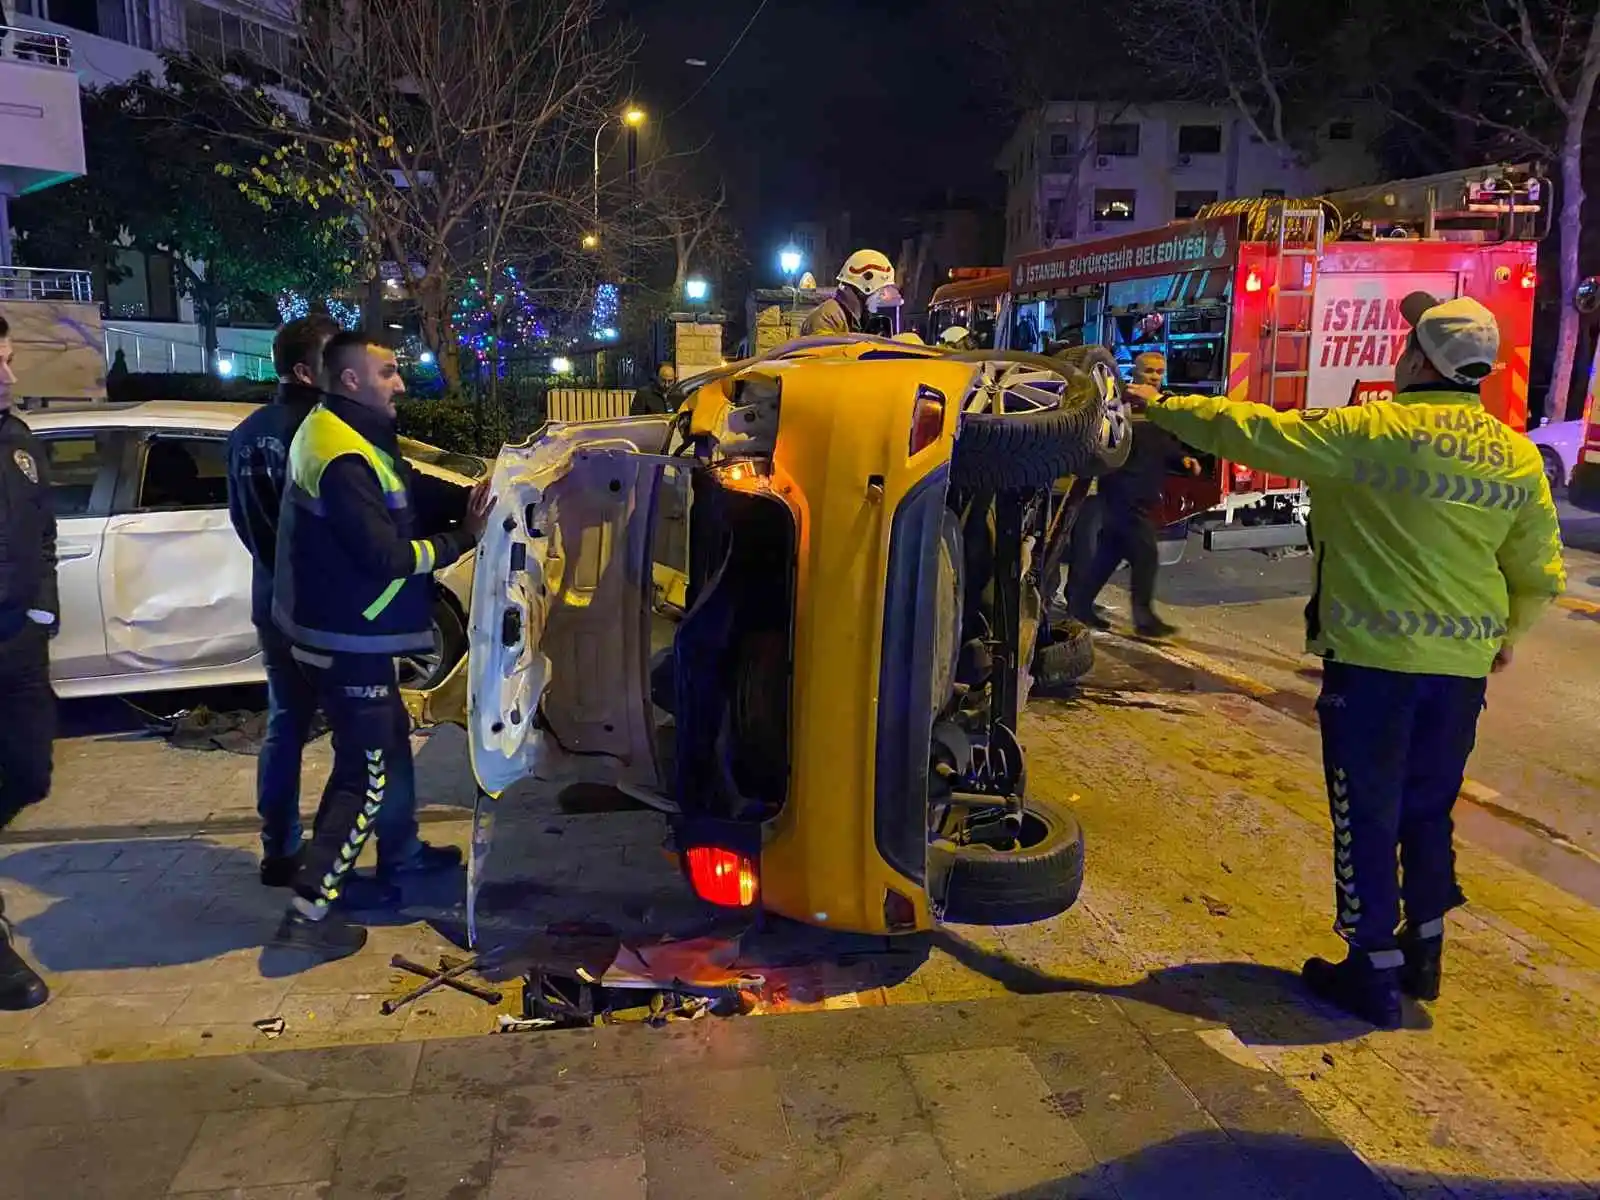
(634, 1113)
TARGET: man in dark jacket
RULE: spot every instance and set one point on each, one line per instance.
(1128, 500)
(655, 398)
(351, 590)
(29, 618)
(258, 458)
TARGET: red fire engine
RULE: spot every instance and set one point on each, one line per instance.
(1295, 304)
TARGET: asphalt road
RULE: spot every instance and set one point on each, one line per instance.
(1536, 763)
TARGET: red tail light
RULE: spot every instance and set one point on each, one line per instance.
(927, 419)
(721, 877)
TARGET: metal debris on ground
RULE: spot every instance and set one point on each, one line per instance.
(447, 974)
(272, 1027)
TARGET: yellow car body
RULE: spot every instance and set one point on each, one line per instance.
(855, 441)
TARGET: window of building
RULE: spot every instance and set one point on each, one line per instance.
(1199, 139)
(147, 291)
(1272, 193)
(1120, 141)
(107, 18)
(1114, 204)
(219, 36)
(1060, 145)
(1341, 131)
(1188, 204)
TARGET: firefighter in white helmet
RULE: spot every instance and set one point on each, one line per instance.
(956, 337)
(866, 285)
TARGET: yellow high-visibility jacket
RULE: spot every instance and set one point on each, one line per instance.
(1435, 536)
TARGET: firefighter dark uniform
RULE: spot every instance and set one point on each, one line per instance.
(351, 591)
(29, 617)
(1436, 547)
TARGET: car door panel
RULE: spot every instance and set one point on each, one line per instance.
(82, 470)
(174, 578)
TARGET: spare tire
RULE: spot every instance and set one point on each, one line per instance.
(1116, 428)
(1002, 452)
(1067, 659)
(1039, 878)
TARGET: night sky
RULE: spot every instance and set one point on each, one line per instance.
(865, 105)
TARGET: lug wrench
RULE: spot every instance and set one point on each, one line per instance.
(443, 977)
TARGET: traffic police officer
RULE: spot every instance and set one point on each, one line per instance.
(29, 617)
(351, 591)
(1437, 547)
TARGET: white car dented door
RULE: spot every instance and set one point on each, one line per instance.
(560, 637)
(174, 577)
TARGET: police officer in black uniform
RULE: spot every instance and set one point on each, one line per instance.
(29, 618)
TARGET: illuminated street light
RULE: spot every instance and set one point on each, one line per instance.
(426, 358)
(632, 117)
(591, 240)
(696, 290)
(789, 259)
(560, 365)
(224, 366)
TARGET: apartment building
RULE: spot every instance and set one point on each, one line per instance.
(1077, 170)
(49, 48)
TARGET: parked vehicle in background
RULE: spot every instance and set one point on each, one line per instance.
(1292, 304)
(1560, 443)
(155, 585)
(971, 300)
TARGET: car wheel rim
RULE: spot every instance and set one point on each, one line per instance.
(416, 668)
(1114, 425)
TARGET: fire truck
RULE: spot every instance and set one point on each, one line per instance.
(972, 300)
(1295, 304)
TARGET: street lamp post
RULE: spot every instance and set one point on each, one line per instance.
(790, 262)
(632, 117)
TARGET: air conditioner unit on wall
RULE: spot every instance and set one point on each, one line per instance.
(1102, 161)
(1185, 160)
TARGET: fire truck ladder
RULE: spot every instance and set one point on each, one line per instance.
(1300, 234)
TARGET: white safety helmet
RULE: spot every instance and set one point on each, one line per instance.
(955, 337)
(872, 274)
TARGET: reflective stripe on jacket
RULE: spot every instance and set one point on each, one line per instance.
(1435, 535)
(351, 574)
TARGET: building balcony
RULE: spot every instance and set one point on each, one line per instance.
(41, 118)
(46, 284)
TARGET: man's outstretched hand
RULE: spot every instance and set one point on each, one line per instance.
(1140, 396)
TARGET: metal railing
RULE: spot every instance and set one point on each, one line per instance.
(46, 283)
(146, 353)
(35, 46)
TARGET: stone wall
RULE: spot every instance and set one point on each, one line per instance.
(696, 344)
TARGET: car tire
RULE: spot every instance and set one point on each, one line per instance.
(1553, 470)
(1116, 423)
(422, 673)
(1067, 659)
(983, 886)
(1003, 452)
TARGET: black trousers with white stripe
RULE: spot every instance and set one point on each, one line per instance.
(360, 697)
(1394, 748)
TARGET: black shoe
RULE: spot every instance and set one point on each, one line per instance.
(1153, 627)
(328, 939)
(1093, 620)
(1424, 965)
(427, 860)
(278, 871)
(1359, 988)
(21, 987)
(367, 892)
